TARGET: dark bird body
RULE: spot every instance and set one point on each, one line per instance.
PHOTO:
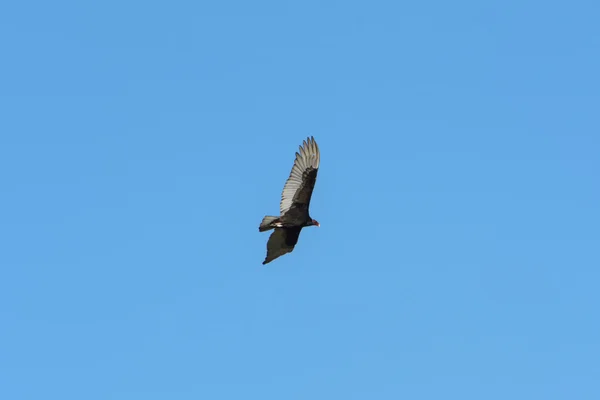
(295, 201)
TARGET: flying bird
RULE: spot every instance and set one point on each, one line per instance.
(295, 200)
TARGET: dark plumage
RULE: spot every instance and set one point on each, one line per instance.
(295, 200)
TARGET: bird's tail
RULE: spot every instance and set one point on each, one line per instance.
(265, 225)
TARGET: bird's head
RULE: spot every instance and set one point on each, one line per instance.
(314, 222)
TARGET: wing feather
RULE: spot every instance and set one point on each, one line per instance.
(281, 241)
(299, 185)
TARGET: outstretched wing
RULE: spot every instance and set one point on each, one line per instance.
(281, 241)
(299, 186)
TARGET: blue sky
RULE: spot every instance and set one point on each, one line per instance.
(141, 143)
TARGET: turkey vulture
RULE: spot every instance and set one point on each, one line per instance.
(295, 200)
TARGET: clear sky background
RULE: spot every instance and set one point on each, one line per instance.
(141, 143)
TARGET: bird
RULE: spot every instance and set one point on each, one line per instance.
(295, 201)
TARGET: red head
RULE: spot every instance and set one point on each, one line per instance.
(315, 222)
